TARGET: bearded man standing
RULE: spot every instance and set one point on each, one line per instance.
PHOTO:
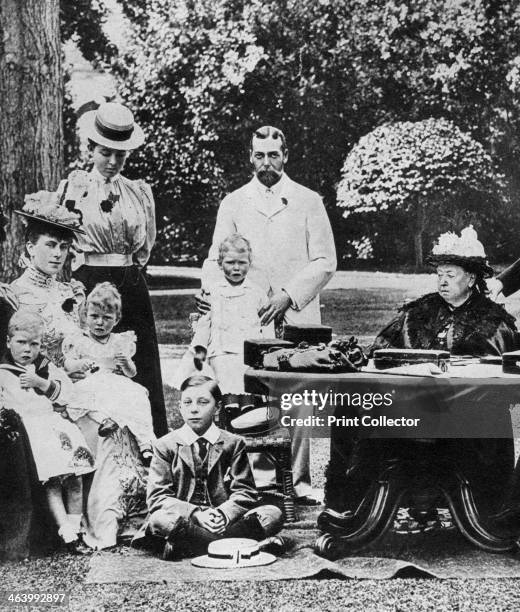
(293, 253)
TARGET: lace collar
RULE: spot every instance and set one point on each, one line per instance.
(40, 279)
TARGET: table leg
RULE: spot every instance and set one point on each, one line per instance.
(352, 531)
(457, 491)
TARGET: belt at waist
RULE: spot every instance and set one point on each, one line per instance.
(108, 259)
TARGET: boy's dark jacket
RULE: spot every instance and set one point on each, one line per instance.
(230, 484)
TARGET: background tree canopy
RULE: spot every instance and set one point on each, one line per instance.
(201, 74)
(419, 171)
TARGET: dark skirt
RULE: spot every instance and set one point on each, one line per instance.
(137, 315)
(26, 526)
(354, 465)
(6, 311)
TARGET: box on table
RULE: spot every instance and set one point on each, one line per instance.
(311, 334)
(394, 358)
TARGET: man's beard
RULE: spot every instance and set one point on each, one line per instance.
(268, 177)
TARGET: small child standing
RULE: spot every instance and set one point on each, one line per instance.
(233, 318)
(107, 394)
(30, 385)
(200, 486)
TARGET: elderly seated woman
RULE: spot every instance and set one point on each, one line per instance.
(460, 318)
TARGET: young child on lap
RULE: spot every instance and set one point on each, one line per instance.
(107, 394)
(30, 385)
(200, 485)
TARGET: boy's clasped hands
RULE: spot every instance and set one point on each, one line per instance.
(210, 519)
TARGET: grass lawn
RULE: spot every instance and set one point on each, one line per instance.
(359, 312)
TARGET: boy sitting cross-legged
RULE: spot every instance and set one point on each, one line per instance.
(200, 485)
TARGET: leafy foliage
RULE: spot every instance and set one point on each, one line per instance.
(82, 21)
(201, 74)
(429, 163)
(186, 66)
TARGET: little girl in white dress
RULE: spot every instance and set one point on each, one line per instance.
(108, 394)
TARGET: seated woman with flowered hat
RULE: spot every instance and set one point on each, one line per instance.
(50, 231)
(117, 494)
(42, 447)
(459, 318)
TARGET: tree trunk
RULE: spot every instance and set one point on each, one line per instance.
(30, 117)
(420, 218)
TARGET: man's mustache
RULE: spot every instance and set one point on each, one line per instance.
(268, 173)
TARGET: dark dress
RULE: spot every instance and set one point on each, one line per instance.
(478, 327)
(6, 311)
(26, 526)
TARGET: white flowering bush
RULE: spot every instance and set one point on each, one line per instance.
(412, 167)
(395, 164)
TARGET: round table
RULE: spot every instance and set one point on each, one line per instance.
(404, 437)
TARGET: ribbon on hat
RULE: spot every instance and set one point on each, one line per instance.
(111, 134)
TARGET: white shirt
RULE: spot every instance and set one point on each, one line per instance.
(118, 215)
(271, 196)
(189, 437)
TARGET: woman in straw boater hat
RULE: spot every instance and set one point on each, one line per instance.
(119, 223)
(459, 317)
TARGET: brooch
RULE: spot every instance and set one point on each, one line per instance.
(108, 204)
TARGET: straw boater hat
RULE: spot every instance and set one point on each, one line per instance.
(465, 251)
(231, 553)
(46, 207)
(112, 125)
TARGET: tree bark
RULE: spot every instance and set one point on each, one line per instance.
(420, 219)
(30, 112)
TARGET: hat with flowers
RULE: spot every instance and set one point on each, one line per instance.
(465, 251)
(48, 207)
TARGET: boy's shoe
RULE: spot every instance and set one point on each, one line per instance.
(276, 545)
(78, 547)
(107, 428)
(252, 528)
(175, 547)
(73, 541)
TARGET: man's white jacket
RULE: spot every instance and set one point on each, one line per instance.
(292, 245)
